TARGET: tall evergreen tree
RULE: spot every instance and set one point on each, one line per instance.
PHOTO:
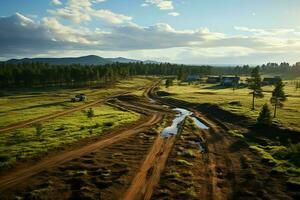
(254, 84)
(278, 96)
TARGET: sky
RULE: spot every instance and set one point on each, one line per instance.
(176, 31)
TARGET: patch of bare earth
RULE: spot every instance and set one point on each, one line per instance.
(102, 174)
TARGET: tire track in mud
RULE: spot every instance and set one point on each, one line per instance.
(149, 174)
(219, 163)
(18, 176)
(151, 118)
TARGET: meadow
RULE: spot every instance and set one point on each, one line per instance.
(282, 158)
(239, 101)
(26, 104)
(30, 142)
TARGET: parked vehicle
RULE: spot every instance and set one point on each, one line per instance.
(79, 97)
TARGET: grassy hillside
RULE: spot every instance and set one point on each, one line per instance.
(27, 142)
(239, 100)
(16, 106)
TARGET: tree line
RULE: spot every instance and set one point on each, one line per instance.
(277, 98)
(43, 74)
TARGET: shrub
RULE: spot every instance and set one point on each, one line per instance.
(38, 129)
(107, 124)
(264, 117)
(90, 113)
(188, 153)
(184, 162)
(97, 125)
(236, 133)
(294, 154)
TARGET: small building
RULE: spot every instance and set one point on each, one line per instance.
(230, 81)
(271, 80)
(213, 79)
(192, 78)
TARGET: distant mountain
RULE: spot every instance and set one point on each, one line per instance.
(84, 60)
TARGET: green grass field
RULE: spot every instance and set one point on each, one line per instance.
(239, 101)
(16, 106)
(27, 142)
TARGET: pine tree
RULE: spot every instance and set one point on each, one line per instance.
(254, 84)
(264, 117)
(278, 96)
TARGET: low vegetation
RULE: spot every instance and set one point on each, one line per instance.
(21, 105)
(279, 158)
(180, 179)
(239, 101)
(40, 138)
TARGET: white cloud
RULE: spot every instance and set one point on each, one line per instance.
(21, 35)
(56, 2)
(267, 32)
(82, 10)
(174, 14)
(111, 17)
(161, 4)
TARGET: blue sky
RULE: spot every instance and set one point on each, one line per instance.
(181, 31)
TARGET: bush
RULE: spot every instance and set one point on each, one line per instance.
(294, 154)
(236, 133)
(38, 129)
(108, 124)
(90, 113)
(264, 117)
(97, 125)
(184, 162)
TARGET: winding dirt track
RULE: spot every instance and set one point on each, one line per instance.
(16, 177)
(149, 174)
(55, 115)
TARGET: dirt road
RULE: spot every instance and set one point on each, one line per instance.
(55, 115)
(18, 176)
(149, 174)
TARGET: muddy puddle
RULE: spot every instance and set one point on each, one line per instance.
(182, 114)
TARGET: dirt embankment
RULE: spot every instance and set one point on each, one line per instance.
(13, 182)
(18, 176)
(104, 173)
(235, 172)
(149, 173)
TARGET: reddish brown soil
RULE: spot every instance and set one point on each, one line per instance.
(149, 173)
(104, 173)
(18, 176)
(138, 164)
(229, 171)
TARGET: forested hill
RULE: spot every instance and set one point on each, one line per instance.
(30, 74)
(84, 60)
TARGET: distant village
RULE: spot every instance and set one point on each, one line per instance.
(228, 81)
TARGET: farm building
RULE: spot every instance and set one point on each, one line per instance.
(191, 78)
(213, 79)
(230, 81)
(271, 81)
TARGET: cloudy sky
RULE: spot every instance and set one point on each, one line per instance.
(179, 31)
